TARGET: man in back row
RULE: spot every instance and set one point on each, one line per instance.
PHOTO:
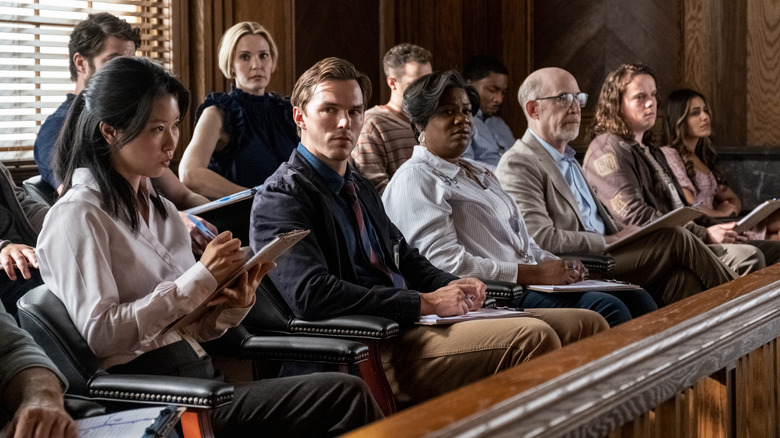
(492, 136)
(386, 140)
(94, 41)
(355, 261)
(564, 216)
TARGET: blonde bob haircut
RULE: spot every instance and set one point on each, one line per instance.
(226, 52)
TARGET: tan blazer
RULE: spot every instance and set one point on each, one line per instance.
(528, 173)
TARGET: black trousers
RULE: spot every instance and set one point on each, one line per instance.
(320, 404)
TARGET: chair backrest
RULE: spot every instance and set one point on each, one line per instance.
(39, 190)
(44, 316)
(270, 312)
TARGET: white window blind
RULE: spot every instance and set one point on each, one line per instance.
(34, 72)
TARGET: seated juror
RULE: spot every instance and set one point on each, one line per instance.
(114, 252)
(454, 212)
(563, 214)
(355, 261)
(31, 387)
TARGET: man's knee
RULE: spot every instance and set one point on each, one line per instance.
(573, 324)
(742, 259)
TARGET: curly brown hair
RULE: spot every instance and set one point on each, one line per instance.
(677, 108)
(609, 111)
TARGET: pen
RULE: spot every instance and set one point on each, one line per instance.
(206, 232)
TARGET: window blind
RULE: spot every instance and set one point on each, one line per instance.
(34, 72)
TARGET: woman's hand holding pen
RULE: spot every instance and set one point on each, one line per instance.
(223, 256)
(201, 231)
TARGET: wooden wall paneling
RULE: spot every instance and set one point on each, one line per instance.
(697, 40)
(763, 64)
(572, 35)
(277, 17)
(448, 33)
(756, 386)
(343, 28)
(517, 30)
(729, 96)
(387, 39)
(197, 27)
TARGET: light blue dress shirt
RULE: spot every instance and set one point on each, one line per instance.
(492, 137)
(571, 172)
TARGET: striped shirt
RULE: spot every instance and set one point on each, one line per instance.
(385, 143)
(462, 226)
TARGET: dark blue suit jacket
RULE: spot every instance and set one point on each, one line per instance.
(316, 277)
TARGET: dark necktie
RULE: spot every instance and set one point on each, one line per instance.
(374, 255)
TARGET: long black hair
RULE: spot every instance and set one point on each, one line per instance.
(122, 95)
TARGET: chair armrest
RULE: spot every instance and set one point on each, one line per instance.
(353, 326)
(80, 408)
(238, 342)
(592, 261)
(305, 349)
(160, 390)
(503, 291)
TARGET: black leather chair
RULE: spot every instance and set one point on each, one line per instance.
(44, 316)
(39, 190)
(271, 315)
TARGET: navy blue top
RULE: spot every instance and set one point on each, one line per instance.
(262, 135)
(368, 275)
(43, 150)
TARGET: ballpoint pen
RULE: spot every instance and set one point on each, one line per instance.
(206, 232)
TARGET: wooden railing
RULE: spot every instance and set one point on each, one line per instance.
(705, 366)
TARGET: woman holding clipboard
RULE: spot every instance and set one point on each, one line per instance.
(694, 162)
(125, 270)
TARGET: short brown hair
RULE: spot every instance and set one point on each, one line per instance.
(226, 52)
(329, 69)
(89, 37)
(403, 53)
(609, 110)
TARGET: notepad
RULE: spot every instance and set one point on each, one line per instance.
(483, 313)
(675, 218)
(130, 423)
(270, 252)
(757, 215)
(585, 286)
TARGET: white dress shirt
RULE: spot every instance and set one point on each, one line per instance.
(461, 226)
(121, 289)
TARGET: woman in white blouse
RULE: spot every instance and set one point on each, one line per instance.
(456, 214)
(117, 256)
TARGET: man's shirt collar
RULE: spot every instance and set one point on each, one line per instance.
(333, 181)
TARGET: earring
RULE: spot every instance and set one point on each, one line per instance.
(422, 138)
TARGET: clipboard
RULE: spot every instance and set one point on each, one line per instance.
(675, 218)
(584, 286)
(757, 215)
(270, 252)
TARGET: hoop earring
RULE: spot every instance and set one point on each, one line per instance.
(422, 138)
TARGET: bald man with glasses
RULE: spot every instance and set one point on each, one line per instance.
(563, 215)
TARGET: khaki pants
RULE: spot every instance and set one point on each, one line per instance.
(672, 264)
(427, 361)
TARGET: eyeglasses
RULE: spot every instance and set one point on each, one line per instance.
(566, 99)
